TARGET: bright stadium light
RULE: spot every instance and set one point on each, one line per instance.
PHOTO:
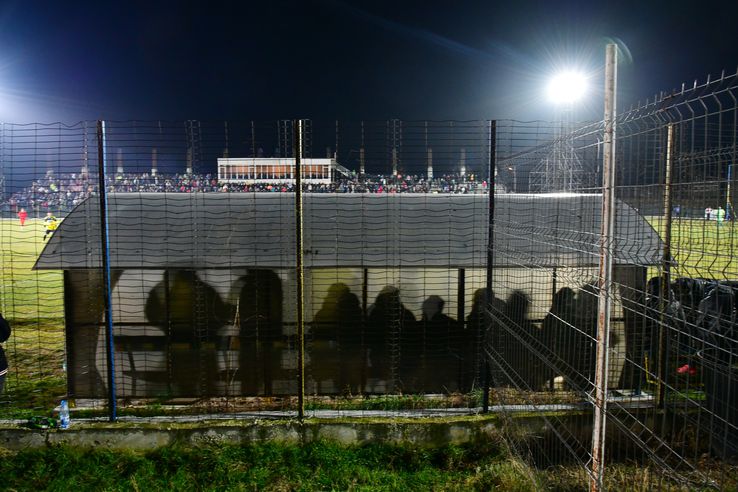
(567, 87)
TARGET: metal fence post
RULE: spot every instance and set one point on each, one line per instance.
(664, 294)
(300, 281)
(490, 250)
(105, 253)
(463, 362)
(605, 271)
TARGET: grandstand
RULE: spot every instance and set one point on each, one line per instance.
(60, 193)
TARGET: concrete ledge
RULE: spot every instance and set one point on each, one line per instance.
(140, 436)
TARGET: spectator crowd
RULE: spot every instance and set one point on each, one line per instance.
(61, 193)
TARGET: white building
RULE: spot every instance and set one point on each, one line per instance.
(248, 170)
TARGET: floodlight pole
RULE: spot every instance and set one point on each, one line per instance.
(105, 253)
(605, 271)
(297, 142)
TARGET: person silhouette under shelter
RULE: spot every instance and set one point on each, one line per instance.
(386, 323)
(190, 312)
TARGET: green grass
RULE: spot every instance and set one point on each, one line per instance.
(317, 466)
(33, 302)
(314, 466)
(27, 295)
(701, 248)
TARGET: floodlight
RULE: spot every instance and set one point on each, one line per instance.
(567, 87)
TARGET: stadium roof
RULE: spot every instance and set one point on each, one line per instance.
(228, 230)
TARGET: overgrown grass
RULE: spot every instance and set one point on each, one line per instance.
(315, 466)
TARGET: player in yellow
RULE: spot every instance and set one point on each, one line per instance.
(51, 223)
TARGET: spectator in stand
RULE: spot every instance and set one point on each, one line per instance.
(65, 191)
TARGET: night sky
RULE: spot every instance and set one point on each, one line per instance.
(338, 59)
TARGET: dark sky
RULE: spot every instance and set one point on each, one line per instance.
(343, 59)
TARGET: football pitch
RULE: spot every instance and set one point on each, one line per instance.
(33, 302)
(700, 248)
(27, 294)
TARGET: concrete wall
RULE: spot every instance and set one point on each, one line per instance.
(121, 435)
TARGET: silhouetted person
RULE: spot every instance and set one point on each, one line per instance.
(194, 313)
(716, 328)
(716, 321)
(479, 331)
(441, 347)
(4, 335)
(690, 292)
(386, 323)
(557, 332)
(518, 338)
(664, 318)
(584, 347)
(336, 331)
(260, 323)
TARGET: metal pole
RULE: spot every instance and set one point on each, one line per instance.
(253, 140)
(297, 127)
(490, 251)
(362, 168)
(105, 250)
(666, 266)
(364, 309)
(554, 288)
(728, 205)
(457, 339)
(605, 271)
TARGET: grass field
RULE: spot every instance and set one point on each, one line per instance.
(701, 248)
(33, 303)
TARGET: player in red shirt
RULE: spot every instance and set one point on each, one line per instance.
(22, 216)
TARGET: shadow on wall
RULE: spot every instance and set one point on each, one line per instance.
(383, 350)
(338, 360)
(349, 351)
(259, 318)
(190, 312)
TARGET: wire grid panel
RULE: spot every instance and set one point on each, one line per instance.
(31, 159)
(201, 222)
(543, 309)
(671, 350)
(685, 147)
(388, 330)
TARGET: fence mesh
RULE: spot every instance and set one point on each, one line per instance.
(416, 300)
(202, 249)
(670, 403)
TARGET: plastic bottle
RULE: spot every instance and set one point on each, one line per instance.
(64, 415)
